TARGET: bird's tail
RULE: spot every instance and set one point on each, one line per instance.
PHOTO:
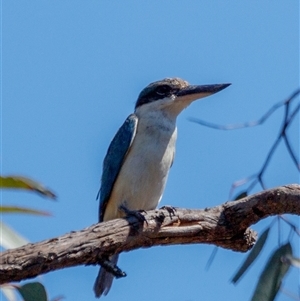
(104, 279)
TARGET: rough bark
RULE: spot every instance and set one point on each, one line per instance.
(225, 226)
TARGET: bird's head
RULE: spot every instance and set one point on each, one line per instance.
(173, 95)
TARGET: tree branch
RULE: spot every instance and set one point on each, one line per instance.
(225, 226)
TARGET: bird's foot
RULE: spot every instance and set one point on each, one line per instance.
(112, 268)
(136, 213)
(170, 209)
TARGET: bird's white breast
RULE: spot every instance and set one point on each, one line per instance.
(142, 178)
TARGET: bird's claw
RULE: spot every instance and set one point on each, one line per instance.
(136, 213)
(170, 209)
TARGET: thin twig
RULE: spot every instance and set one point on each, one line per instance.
(287, 120)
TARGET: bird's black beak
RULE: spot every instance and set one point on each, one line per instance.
(193, 92)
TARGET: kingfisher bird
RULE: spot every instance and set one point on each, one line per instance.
(138, 160)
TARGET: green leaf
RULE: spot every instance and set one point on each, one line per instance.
(18, 182)
(252, 256)
(270, 280)
(17, 209)
(34, 291)
(241, 195)
(10, 238)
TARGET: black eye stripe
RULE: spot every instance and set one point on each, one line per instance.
(163, 90)
(156, 91)
(160, 92)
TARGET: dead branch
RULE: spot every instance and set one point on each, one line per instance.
(225, 226)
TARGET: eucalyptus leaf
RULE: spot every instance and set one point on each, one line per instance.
(270, 280)
(17, 209)
(8, 292)
(252, 256)
(10, 238)
(241, 195)
(19, 182)
(34, 291)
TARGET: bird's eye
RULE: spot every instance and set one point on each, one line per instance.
(163, 90)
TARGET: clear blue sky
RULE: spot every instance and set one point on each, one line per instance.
(71, 73)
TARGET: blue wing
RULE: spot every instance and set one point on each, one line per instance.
(114, 158)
